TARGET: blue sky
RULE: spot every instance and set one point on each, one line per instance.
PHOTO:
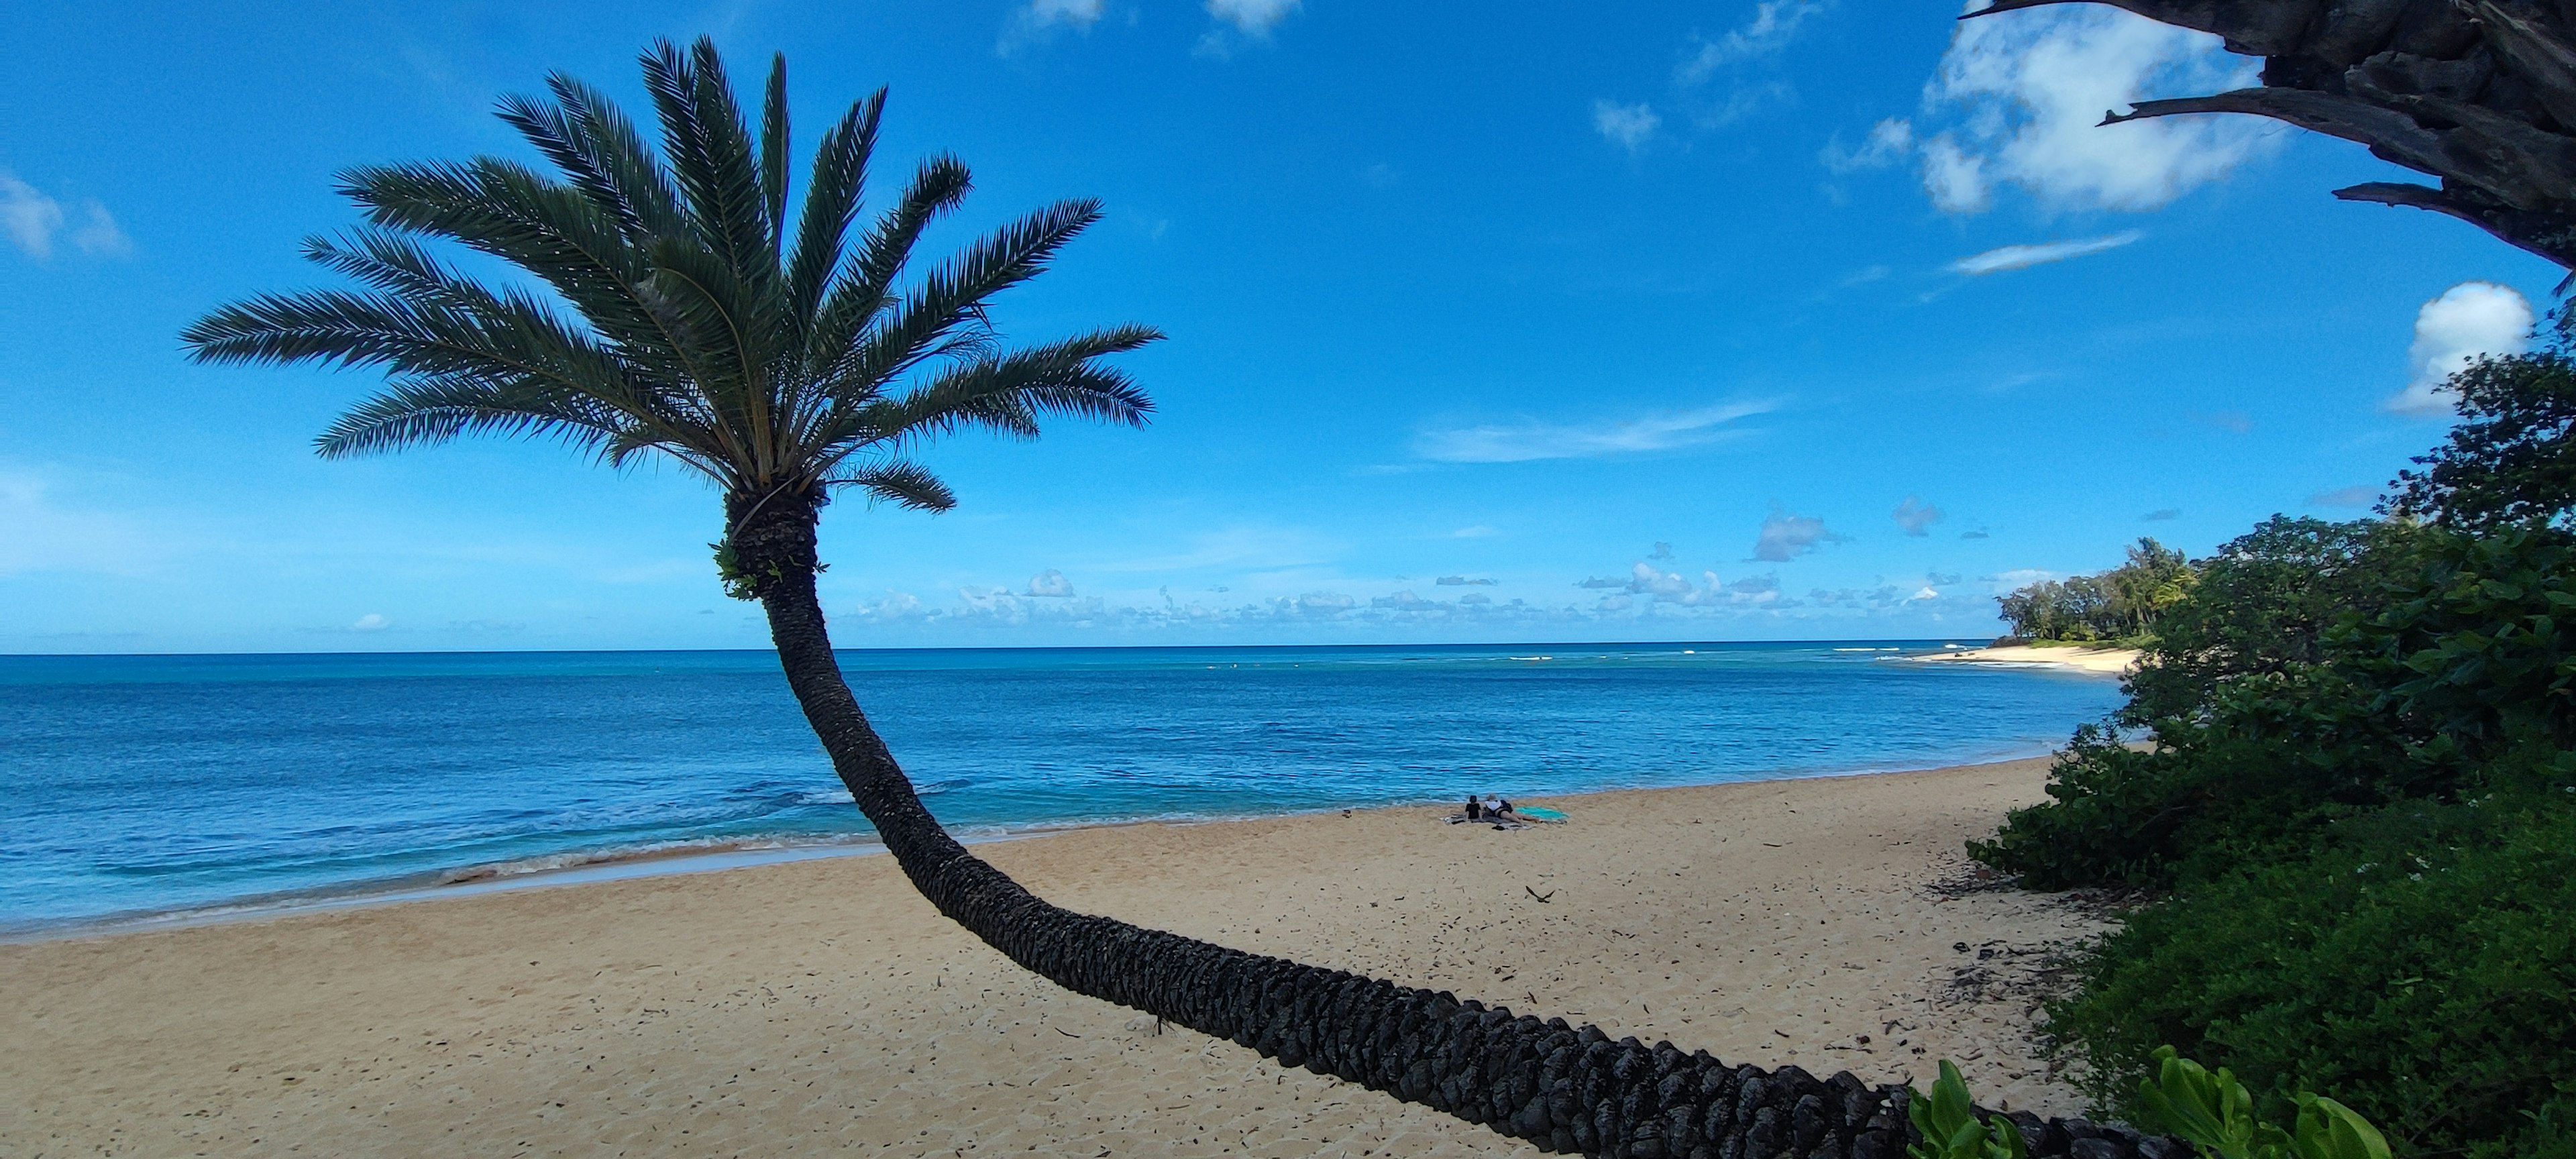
(1726, 320)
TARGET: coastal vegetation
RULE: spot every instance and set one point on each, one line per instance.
(2117, 607)
(2356, 813)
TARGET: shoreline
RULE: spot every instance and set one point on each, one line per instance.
(2097, 661)
(821, 1006)
(582, 867)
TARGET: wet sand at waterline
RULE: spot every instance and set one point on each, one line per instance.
(821, 1006)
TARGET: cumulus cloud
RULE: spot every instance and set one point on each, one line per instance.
(2022, 257)
(1051, 585)
(2358, 495)
(1250, 17)
(1785, 537)
(1889, 142)
(371, 622)
(1774, 24)
(1916, 516)
(2033, 86)
(34, 220)
(1524, 442)
(1455, 581)
(1598, 582)
(1628, 126)
(1662, 551)
(2451, 331)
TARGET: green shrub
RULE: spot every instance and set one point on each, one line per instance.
(2467, 656)
(2421, 965)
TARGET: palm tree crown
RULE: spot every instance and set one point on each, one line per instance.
(776, 357)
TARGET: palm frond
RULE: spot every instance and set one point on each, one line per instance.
(903, 483)
(954, 294)
(429, 411)
(865, 287)
(599, 151)
(832, 197)
(1007, 394)
(709, 153)
(547, 229)
(773, 154)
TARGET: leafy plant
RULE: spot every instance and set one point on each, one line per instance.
(1950, 1127)
(2215, 1113)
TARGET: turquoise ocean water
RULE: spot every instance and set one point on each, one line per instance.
(135, 785)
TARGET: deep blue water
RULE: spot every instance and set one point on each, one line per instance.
(137, 784)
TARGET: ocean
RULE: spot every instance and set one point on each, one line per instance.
(136, 786)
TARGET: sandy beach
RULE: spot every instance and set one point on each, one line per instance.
(821, 1006)
(2111, 661)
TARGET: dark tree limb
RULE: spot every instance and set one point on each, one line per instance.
(2480, 94)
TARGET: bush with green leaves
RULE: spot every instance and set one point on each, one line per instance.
(2420, 964)
(2458, 651)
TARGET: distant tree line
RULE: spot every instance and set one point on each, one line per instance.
(2120, 604)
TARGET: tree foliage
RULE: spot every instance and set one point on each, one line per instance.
(2512, 457)
(2122, 603)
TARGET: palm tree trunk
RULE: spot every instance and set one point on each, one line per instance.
(1560, 1087)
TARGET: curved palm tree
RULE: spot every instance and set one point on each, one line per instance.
(778, 359)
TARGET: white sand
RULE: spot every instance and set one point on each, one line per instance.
(821, 1007)
(2115, 661)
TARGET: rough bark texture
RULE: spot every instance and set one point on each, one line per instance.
(1562, 1087)
(2478, 93)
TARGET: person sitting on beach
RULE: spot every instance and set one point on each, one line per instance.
(1475, 808)
(1499, 809)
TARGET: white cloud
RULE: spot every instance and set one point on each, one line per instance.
(1038, 20)
(33, 220)
(1785, 537)
(1774, 24)
(2022, 257)
(1251, 17)
(1955, 178)
(1629, 126)
(2453, 330)
(371, 622)
(1456, 581)
(1889, 142)
(1051, 585)
(1524, 442)
(1916, 516)
(2035, 85)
